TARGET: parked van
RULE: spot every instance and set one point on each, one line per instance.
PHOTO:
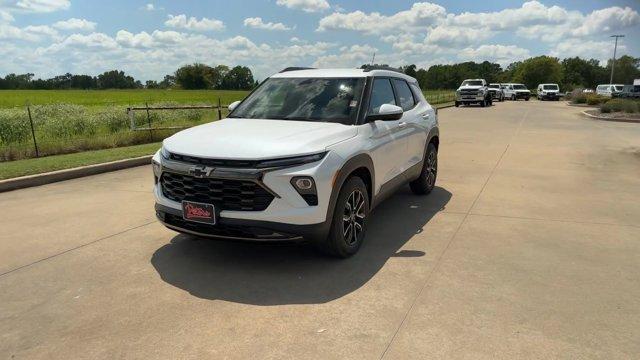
(548, 92)
(609, 89)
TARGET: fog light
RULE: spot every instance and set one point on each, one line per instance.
(304, 184)
(306, 187)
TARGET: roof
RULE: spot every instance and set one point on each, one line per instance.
(341, 73)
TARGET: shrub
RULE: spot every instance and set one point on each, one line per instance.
(14, 125)
(579, 99)
(593, 99)
(621, 105)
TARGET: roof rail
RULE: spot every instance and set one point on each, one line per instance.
(368, 68)
(295, 68)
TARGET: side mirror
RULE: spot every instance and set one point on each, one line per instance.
(233, 105)
(387, 112)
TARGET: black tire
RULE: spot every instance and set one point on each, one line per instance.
(513, 98)
(483, 103)
(526, 99)
(457, 104)
(427, 180)
(342, 242)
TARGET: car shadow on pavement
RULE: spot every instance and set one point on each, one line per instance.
(276, 274)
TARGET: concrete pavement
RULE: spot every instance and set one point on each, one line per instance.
(528, 248)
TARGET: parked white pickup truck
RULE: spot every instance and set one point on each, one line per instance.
(473, 91)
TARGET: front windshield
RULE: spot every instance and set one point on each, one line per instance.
(472, 83)
(494, 86)
(549, 87)
(306, 99)
(618, 87)
(519, 87)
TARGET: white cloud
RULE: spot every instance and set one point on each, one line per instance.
(305, 5)
(420, 15)
(81, 41)
(37, 6)
(6, 16)
(606, 20)
(193, 24)
(588, 49)
(502, 54)
(257, 23)
(352, 56)
(149, 7)
(75, 24)
(448, 35)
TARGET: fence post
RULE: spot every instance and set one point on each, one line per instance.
(149, 122)
(33, 131)
(132, 118)
(219, 110)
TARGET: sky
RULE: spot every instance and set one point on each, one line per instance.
(149, 39)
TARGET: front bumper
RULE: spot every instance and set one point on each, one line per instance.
(523, 95)
(469, 98)
(549, 96)
(240, 229)
(288, 216)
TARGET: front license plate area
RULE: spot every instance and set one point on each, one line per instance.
(199, 212)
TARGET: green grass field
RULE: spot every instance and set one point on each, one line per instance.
(15, 98)
(11, 169)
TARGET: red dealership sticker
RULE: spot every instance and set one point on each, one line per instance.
(198, 212)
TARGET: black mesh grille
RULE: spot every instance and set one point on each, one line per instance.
(467, 92)
(239, 195)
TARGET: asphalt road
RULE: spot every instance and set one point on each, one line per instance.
(528, 248)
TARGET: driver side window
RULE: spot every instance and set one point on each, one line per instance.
(382, 93)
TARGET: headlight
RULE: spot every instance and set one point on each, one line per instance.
(165, 153)
(291, 161)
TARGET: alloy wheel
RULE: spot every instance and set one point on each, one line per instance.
(353, 217)
(431, 168)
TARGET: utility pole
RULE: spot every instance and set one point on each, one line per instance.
(373, 58)
(613, 63)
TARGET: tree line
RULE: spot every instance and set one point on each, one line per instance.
(194, 76)
(569, 73)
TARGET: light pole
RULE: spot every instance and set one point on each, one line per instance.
(613, 63)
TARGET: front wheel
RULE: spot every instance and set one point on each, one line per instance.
(457, 103)
(349, 220)
(427, 180)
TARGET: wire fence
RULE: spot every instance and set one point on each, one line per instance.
(440, 97)
(42, 130)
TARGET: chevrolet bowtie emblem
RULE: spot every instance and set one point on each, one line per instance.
(200, 171)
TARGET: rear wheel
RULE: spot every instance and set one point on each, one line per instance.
(427, 180)
(349, 220)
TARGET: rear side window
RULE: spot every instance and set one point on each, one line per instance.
(405, 96)
(382, 93)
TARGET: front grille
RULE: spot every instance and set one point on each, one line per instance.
(472, 92)
(224, 194)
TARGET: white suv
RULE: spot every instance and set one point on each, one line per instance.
(308, 154)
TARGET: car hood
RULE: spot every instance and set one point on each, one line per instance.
(257, 139)
(471, 87)
(521, 90)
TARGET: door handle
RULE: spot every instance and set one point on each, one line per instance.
(425, 115)
(402, 124)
